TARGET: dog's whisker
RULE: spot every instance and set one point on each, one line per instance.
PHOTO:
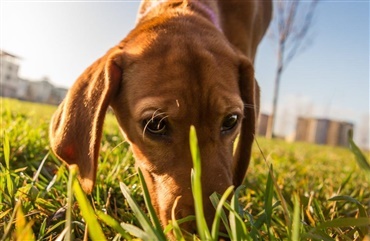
(155, 114)
(249, 106)
(144, 129)
(163, 118)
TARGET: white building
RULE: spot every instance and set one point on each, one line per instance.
(9, 67)
(12, 86)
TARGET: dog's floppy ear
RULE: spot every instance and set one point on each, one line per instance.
(76, 127)
(250, 95)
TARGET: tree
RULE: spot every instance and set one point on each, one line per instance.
(291, 25)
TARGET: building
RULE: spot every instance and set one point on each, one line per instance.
(12, 86)
(9, 67)
(323, 131)
(263, 120)
(57, 95)
(39, 91)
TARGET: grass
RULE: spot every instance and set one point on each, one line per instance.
(293, 191)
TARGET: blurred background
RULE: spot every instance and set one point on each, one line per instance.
(323, 86)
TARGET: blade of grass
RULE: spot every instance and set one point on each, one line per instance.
(360, 158)
(277, 189)
(23, 229)
(10, 222)
(149, 206)
(4, 213)
(6, 150)
(50, 230)
(215, 200)
(296, 219)
(346, 181)
(196, 185)
(95, 231)
(68, 225)
(51, 183)
(34, 179)
(316, 234)
(176, 228)
(361, 208)
(318, 210)
(137, 232)
(219, 210)
(111, 222)
(62, 235)
(269, 193)
(141, 217)
(169, 227)
(345, 222)
(57, 177)
(42, 230)
(255, 225)
(237, 225)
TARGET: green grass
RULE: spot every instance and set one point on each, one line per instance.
(293, 191)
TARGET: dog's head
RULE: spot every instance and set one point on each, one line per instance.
(163, 78)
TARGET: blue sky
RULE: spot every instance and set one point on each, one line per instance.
(329, 79)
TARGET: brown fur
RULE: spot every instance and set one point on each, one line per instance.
(192, 62)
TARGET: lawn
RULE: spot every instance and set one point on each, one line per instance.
(311, 192)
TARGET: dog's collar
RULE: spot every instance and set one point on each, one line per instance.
(211, 14)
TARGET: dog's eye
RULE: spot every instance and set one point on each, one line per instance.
(229, 122)
(156, 126)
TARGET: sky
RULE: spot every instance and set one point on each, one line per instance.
(328, 79)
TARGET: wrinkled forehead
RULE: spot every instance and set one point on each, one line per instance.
(182, 61)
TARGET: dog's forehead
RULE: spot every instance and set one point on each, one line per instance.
(178, 59)
(198, 72)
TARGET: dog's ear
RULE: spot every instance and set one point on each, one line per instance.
(76, 127)
(250, 95)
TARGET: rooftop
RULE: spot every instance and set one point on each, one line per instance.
(4, 53)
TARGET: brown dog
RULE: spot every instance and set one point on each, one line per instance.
(185, 63)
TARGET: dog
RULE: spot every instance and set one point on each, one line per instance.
(185, 63)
